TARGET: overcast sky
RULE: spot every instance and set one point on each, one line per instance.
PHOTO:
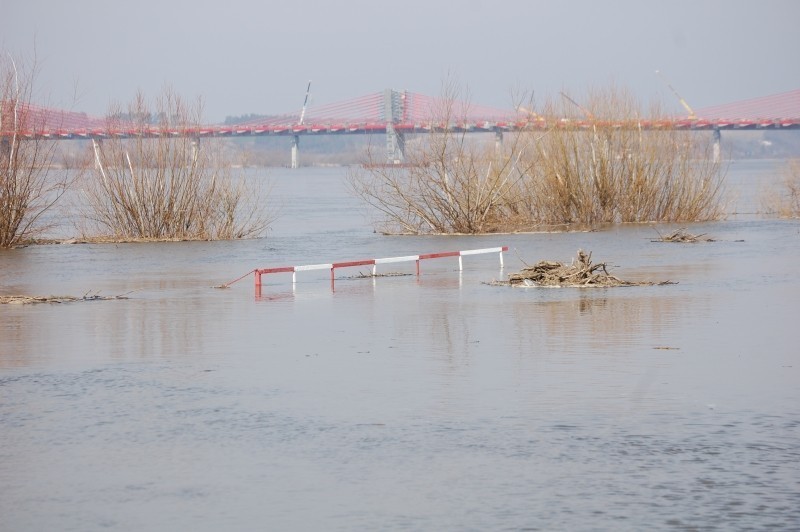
(256, 56)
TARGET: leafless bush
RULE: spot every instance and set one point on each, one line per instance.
(595, 164)
(449, 183)
(166, 186)
(784, 200)
(599, 163)
(28, 189)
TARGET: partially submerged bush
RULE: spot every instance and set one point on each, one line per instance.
(28, 187)
(448, 186)
(450, 182)
(785, 200)
(167, 187)
(605, 165)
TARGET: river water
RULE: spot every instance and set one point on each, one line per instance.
(435, 402)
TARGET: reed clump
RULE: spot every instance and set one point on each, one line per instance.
(607, 161)
(151, 186)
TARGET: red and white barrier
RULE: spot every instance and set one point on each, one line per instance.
(374, 263)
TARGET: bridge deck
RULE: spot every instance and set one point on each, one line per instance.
(415, 113)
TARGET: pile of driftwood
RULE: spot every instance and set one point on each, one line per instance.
(24, 300)
(581, 273)
(682, 235)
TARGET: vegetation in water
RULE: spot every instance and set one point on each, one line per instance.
(587, 165)
(28, 186)
(167, 187)
(784, 199)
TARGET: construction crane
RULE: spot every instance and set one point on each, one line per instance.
(296, 139)
(685, 105)
(717, 134)
(585, 111)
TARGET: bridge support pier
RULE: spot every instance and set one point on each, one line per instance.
(717, 143)
(195, 149)
(395, 145)
(394, 112)
(498, 142)
(96, 147)
(295, 150)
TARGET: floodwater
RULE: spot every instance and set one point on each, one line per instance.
(435, 402)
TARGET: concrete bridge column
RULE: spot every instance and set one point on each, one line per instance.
(295, 150)
(97, 145)
(195, 148)
(717, 143)
(394, 112)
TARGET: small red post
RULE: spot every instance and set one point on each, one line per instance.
(332, 284)
(417, 267)
(258, 282)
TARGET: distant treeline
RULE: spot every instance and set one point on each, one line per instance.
(233, 120)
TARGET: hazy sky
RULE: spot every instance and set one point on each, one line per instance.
(256, 56)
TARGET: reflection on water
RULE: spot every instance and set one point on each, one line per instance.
(430, 402)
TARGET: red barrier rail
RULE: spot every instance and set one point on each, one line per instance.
(374, 263)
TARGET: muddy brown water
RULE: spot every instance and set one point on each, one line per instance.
(435, 402)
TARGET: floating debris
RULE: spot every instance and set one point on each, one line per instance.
(362, 275)
(682, 236)
(26, 300)
(581, 273)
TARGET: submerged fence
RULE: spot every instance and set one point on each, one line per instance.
(333, 266)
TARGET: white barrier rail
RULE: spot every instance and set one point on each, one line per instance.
(333, 266)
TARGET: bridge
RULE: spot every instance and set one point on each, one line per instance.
(396, 114)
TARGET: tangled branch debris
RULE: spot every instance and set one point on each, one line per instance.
(581, 273)
(682, 235)
(24, 300)
(362, 275)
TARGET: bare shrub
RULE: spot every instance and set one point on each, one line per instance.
(784, 200)
(151, 185)
(600, 163)
(28, 187)
(603, 163)
(449, 183)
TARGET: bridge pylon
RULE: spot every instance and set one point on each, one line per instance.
(295, 150)
(394, 110)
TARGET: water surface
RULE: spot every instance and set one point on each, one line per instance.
(435, 402)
